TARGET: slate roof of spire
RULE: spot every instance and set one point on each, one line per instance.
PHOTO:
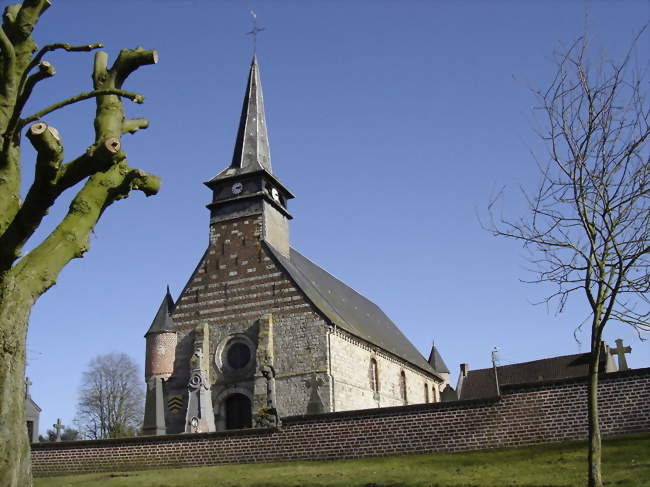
(163, 321)
(251, 151)
(348, 309)
(436, 362)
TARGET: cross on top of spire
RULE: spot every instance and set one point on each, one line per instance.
(254, 31)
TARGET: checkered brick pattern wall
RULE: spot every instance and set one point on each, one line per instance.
(523, 415)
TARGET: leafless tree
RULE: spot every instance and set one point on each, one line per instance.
(588, 224)
(110, 398)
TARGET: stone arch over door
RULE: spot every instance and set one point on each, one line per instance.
(229, 398)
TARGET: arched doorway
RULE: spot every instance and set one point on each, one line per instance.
(238, 412)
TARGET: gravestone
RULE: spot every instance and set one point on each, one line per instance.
(315, 405)
(58, 426)
(620, 351)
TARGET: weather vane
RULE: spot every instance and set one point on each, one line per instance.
(255, 31)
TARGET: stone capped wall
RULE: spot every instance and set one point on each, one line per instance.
(523, 415)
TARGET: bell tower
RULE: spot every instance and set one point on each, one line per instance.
(248, 186)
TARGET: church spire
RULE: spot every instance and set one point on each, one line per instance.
(252, 144)
(251, 152)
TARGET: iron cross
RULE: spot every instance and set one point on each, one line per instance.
(58, 426)
(27, 384)
(620, 350)
(255, 31)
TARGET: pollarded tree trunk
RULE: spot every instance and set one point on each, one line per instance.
(101, 170)
(15, 306)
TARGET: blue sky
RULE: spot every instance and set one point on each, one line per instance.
(392, 122)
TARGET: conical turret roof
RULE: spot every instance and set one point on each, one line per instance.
(251, 151)
(436, 362)
(163, 322)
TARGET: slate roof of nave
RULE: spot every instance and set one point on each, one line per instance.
(348, 309)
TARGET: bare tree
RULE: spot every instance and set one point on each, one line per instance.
(101, 169)
(588, 225)
(111, 398)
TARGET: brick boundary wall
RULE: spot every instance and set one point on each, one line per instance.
(523, 415)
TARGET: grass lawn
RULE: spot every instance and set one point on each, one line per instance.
(626, 463)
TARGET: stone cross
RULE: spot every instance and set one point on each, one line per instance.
(27, 384)
(315, 404)
(58, 426)
(620, 350)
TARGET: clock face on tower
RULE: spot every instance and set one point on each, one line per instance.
(274, 193)
(237, 188)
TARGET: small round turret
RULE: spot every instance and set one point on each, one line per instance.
(161, 342)
(161, 353)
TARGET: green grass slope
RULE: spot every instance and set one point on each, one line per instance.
(626, 464)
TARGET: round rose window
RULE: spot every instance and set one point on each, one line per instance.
(238, 355)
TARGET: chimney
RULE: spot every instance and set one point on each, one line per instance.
(464, 368)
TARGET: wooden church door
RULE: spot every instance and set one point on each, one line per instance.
(238, 412)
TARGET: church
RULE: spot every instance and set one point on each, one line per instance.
(261, 332)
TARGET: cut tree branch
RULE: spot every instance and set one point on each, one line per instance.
(70, 239)
(132, 125)
(95, 159)
(45, 70)
(61, 45)
(29, 13)
(135, 97)
(129, 60)
(41, 195)
(9, 62)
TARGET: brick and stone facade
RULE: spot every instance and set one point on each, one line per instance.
(235, 284)
(525, 414)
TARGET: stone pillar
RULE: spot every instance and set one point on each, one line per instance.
(154, 412)
(200, 414)
(159, 365)
(264, 402)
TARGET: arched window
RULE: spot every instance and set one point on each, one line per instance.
(426, 393)
(374, 375)
(402, 385)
